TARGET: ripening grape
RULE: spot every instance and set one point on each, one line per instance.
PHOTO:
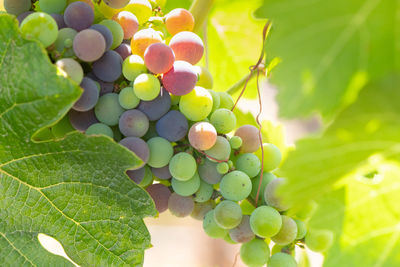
(137, 146)
(319, 240)
(265, 221)
(147, 87)
(52, 6)
(235, 142)
(106, 10)
(89, 97)
(223, 120)
(160, 195)
(235, 186)
(180, 206)
(143, 39)
(182, 166)
(64, 42)
(226, 100)
(157, 107)
(187, 187)
(249, 164)
(79, 16)
(180, 79)
(89, 45)
(108, 37)
(70, 68)
(141, 8)
(23, 15)
(133, 122)
(211, 227)
(255, 253)
(208, 172)
(128, 99)
(272, 157)
(221, 149)
(272, 197)
(116, 30)
(40, 26)
(201, 209)
(124, 50)
(82, 120)
(137, 175)
(161, 173)
(159, 58)
(132, 67)
(187, 46)
(216, 99)
(205, 78)
(173, 126)
(197, 104)
(301, 229)
(116, 3)
(281, 259)
(108, 109)
(267, 177)
(242, 233)
(202, 135)
(17, 7)
(161, 152)
(100, 128)
(249, 135)
(223, 167)
(128, 22)
(179, 20)
(228, 214)
(288, 232)
(204, 192)
(109, 67)
(59, 20)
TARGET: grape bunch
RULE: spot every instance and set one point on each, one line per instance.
(142, 88)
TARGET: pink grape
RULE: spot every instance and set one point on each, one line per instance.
(159, 58)
(187, 46)
(180, 79)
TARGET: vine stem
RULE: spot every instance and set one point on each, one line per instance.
(239, 84)
(200, 10)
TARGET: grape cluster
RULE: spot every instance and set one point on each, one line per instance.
(141, 87)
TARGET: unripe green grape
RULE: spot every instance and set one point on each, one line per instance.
(132, 67)
(197, 104)
(265, 221)
(272, 195)
(116, 30)
(70, 68)
(276, 249)
(223, 167)
(229, 240)
(221, 149)
(100, 128)
(108, 109)
(41, 27)
(146, 87)
(319, 240)
(182, 166)
(64, 41)
(204, 192)
(255, 253)
(216, 100)
(288, 232)
(235, 186)
(175, 99)
(161, 152)
(226, 100)
(52, 6)
(211, 227)
(236, 142)
(201, 208)
(230, 163)
(223, 120)
(128, 99)
(301, 229)
(249, 164)
(141, 9)
(228, 214)
(186, 188)
(267, 177)
(148, 177)
(205, 77)
(282, 260)
(17, 7)
(272, 157)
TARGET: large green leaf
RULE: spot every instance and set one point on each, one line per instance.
(73, 189)
(329, 49)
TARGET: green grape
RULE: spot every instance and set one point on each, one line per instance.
(235, 186)
(211, 227)
(223, 167)
(265, 221)
(276, 249)
(132, 67)
(208, 172)
(249, 164)
(141, 9)
(228, 214)
(201, 208)
(301, 229)
(63, 44)
(205, 77)
(216, 100)
(221, 149)
(247, 207)
(272, 195)
(282, 260)
(197, 104)
(148, 177)
(127, 98)
(272, 157)
(204, 193)
(229, 240)
(267, 177)
(223, 120)
(52, 6)
(186, 188)
(100, 128)
(17, 7)
(116, 30)
(242, 233)
(70, 68)
(40, 26)
(255, 253)
(161, 152)
(319, 240)
(288, 232)
(182, 166)
(146, 87)
(236, 142)
(230, 163)
(62, 128)
(108, 109)
(226, 100)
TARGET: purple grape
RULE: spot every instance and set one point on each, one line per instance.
(89, 45)
(60, 20)
(137, 146)
(105, 87)
(173, 126)
(89, 97)
(137, 175)
(105, 32)
(161, 173)
(156, 108)
(124, 50)
(79, 16)
(109, 67)
(82, 120)
(22, 16)
(133, 123)
(160, 195)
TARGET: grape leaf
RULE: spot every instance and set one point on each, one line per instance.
(73, 189)
(329, 50)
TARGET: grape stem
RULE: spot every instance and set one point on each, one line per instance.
(212, 158)
(200, 10)
(239, 84)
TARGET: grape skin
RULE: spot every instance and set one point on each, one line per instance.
(89, 45)
(40, 26)
(221, 149)
(17, 7)
(223, 120)
(202, 135)
(23, 15)
(201, 209)
(124, 50)
(108, 37)
(100, 128)
(235, 186)
(180, 79)
(147, 87)
(116, 30)
(162, 173)
(242, 233)
(249, 135)
(89, 97)
(182, 166)
(208, 172)
(211, 227)
(109, 67)
(137, 146)
(226, 100)
(52, 6)
(301, 229)
(161, 152)
(255, 253)
(59, 20)
(188, 187)
(143, 39)
(281, 259)
(132, 67)
(178, 20)
(141, 8)
(157, 107)
(79, 16)
(133, 123)
(249, 164)
(288, 232)
(265, 221)
(228, 214)
(160, 195)
(159, 58)
(197, 104)
(180, 206)
(137, 175)
(116, 4)
(204, 192)
(108, 109)
(173, 126)
(128, 22)
(127, 98)
(70, 68)
(272, 157)
(65, 35)
(271, 195)
(187, 46)
(81, 121)
(319, 240)
(267, 177)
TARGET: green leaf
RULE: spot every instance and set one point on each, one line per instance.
(73, 189)
(329, 50)
(362, 135)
